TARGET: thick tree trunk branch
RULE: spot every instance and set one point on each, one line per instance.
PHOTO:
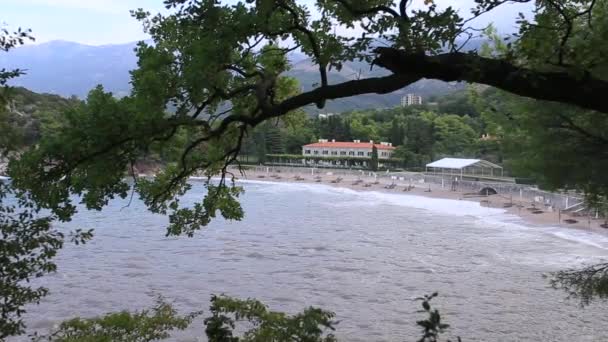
(584, 91)
(378, 85)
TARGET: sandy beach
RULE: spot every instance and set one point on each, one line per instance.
(529, 212)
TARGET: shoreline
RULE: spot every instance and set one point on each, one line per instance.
(530, 213)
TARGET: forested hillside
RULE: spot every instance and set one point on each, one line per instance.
(453, 127)
(28, 113)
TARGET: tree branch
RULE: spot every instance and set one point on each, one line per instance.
(368, 11)
(378, 85)
(313, 43)
(584, 91)
(571, 125)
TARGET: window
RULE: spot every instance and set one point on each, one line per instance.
(306, 151)
(383, 154)
(369, 154)
(334, 153)
(342, 153)
(360, 154)
(325, 152)
(351, 153)
(316, 152)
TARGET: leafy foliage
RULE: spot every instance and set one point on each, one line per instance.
(28, 241)
(222, 69)
(310, 325)
(583, 284)
(27, 248)
(231, 320)
(28, 114)
(457, 103)
(420, 133)
(8, 41)
(561, 146)
(432, 326)
(454, 136)
(549, 141)
(374, 159)
(142, 326)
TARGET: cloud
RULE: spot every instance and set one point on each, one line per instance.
(104, 6)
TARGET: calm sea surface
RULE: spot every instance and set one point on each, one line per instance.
(364, 255)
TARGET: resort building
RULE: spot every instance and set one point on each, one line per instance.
(341, 153)
(355, 149)
(411, 100)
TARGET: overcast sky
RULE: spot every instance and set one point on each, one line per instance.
(98, 22)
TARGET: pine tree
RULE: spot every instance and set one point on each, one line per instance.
(374, 162)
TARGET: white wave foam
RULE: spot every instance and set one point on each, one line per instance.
(495, 217)
(444, 206)
(281, 187)
(582, 237)
(574, 235)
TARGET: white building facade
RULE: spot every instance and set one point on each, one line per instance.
(411, 100)
(350, 151)
(323, 116)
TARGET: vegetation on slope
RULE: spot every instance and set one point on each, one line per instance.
(27, 114)
(207, 55)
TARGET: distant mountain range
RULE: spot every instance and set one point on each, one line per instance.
(67, 68)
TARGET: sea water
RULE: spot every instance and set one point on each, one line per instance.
(364, 255)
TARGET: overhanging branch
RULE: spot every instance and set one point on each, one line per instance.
(378, 85)
(584, 91)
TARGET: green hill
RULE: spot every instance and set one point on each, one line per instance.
(27, 112)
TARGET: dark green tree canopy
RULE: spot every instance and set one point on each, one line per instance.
(215, 71)
(220, 67)
(374, 159)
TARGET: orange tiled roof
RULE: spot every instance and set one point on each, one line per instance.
(346, 144)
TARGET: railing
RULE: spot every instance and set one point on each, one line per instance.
(511, 190)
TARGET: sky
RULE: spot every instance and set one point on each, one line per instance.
(100, 22)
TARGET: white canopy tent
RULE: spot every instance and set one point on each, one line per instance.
(468, 167)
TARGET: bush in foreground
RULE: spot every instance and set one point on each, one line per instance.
(231, 320)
